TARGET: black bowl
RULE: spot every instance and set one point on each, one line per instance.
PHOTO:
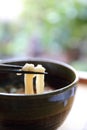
(45, 111)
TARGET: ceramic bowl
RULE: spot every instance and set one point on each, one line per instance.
(45, 111)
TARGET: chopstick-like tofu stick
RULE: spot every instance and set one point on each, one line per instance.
(28, 78)
(39, 79)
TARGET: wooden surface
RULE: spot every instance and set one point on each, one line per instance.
(77, 118)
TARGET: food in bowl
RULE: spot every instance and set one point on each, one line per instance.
(45, 111)
(38, 74)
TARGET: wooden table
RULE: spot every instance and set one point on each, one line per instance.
(77, 118)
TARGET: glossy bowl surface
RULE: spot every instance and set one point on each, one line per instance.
(45, 111)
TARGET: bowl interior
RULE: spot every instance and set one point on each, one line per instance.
(59, 75)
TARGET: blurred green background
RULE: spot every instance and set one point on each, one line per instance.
(44, 28)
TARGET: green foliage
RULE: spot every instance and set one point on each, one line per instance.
(58, 21)
(61, 23)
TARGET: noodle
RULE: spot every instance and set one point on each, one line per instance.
(39, 79)
(28, 78)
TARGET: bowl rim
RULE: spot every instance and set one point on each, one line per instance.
(57, 91)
